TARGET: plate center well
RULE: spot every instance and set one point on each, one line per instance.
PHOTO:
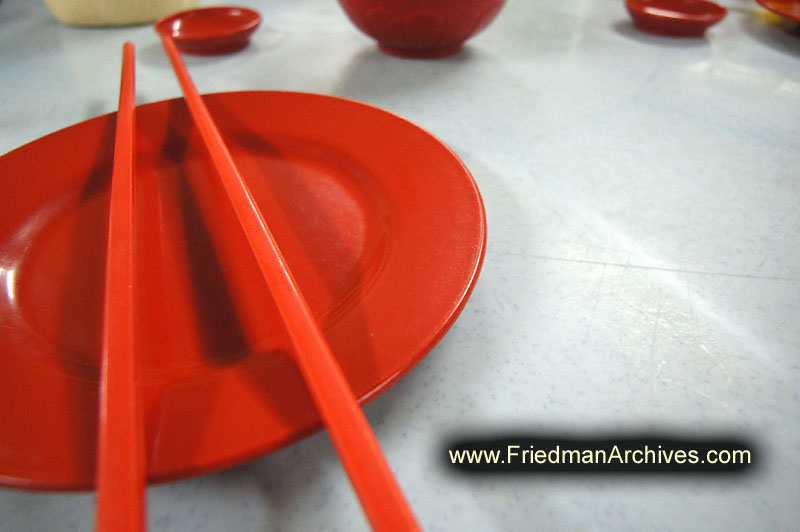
(201, 301)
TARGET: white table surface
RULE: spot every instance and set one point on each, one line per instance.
(642, 270)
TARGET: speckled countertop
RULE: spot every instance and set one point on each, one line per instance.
(642, 270)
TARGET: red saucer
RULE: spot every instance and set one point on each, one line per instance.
(210, 30)
(675, 18)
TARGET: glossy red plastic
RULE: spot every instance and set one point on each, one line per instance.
(121, 453)
(380, 223)
(381, 497)
(210, 30)
(786, 8)
(675, 18)
(421, 29)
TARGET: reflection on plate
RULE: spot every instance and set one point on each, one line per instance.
(381, 224)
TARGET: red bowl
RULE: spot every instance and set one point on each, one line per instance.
(425, 28)
(675, 18)
(210, 30)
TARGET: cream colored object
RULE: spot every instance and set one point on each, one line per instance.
(114, 12)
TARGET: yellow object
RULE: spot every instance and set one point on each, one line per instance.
(114, 12)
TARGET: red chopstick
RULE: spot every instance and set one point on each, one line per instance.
(381, 497)
(120, 457)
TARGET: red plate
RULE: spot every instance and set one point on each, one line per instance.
(787, 8)
(381, 223)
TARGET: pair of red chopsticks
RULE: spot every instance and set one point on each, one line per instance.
(121, 468)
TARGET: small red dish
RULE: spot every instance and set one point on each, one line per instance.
(675, 18)
(210, 30)
(787, 8)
